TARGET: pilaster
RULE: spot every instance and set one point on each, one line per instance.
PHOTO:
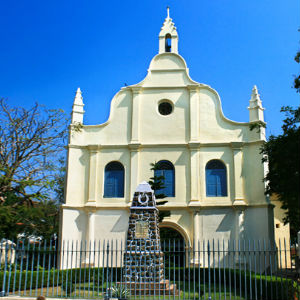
(93, 176)
(239, 221)
(91, 226)
(134, 167)
(89, 234)
(135, 118)
(237, 151)
(194, 113)
(197, 226)
(198, 236)
(194, 169)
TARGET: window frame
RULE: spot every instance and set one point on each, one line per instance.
(118, 192)
(172, 193)
(216, 179)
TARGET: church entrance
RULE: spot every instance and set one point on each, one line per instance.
(168, 233)
(173, 247)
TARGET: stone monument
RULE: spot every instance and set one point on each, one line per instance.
(143, 256)
(143, 259)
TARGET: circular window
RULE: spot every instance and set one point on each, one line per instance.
(165, 108)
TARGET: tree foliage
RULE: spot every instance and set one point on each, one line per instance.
(297, 78)
(31, 141)
(157, 184)
(31, 175)
(282, 154)
(41, 219)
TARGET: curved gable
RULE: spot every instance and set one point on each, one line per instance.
(167, 61)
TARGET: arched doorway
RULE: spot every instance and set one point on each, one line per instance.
(169, 233)
(173, 246)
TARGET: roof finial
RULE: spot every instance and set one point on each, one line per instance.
(77, 111)
(168, 12)
(255, 106)
(255, 95)
(78, 97)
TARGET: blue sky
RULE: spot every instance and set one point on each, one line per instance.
(49, 48)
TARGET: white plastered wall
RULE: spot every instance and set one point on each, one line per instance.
(196, 132)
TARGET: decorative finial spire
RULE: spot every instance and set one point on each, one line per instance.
(255, 106)
(78, 97)
(255, 98)
(77, 111)
(168, 12)
(255, 92)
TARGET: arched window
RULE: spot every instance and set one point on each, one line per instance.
(166, 169)
(216, 182)
(168, 42)
(114, 180)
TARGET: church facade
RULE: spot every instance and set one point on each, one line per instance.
(212, 165)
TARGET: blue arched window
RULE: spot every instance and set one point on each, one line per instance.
(216, 182)
(166, 169)
(114, 180)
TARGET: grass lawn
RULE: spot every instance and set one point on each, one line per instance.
(237, 286)
(82, 291)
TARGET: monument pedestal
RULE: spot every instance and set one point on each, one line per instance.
(143, 258)
(150, 288)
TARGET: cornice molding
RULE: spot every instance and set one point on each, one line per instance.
(94, 147)
(193, 207)
(237, 145)
(194, 145)
(134, 146)
(189, 145)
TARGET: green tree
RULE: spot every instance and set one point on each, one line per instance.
(41, 219)
(31, 142)
(9, 214)
(59, 181)
(157, 183)
(297, 78)
(31, 145)
(282, 154)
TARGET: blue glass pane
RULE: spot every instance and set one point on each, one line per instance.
(158, 173)
(119, 181)
(109, 185)
(223, 185)
(216, 185)
(114, 183)
(167, 170)
(169, 183)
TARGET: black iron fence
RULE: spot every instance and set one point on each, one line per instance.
(95, 269)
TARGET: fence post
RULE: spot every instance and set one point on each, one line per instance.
(264, 281)
(3, 292)
(107, 275)
(209, 278)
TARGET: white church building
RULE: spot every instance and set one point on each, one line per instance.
(212, 165)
